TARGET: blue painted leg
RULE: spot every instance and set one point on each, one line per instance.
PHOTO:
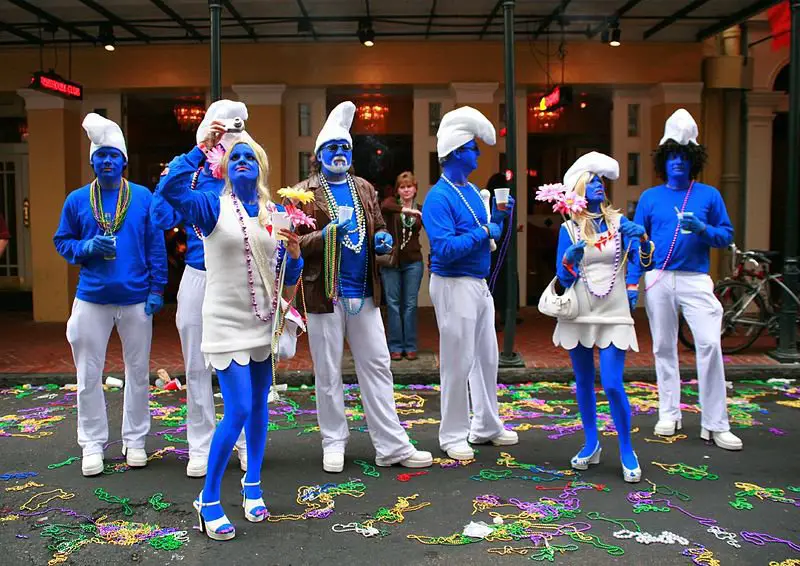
(256, 432)
(612, 364)
(583, 366)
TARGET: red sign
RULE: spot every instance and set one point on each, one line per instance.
(54, 84)
(780, 23)
(556, 98)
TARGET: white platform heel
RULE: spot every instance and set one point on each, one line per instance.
(252, 505)
(217, 529)
(582, 463)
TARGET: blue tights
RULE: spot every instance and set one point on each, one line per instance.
(612, 362)
(245, 390)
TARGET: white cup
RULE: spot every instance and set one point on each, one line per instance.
(680, 217)
(345, 213)
(280, 221)
(114, 382)
(501, 196)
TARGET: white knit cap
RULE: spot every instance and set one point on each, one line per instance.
(337, 126)
(681, 128)
(461, 126)
(592, 162)
(220, 110)
(103, 132)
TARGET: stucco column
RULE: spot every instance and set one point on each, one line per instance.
(481, 97)
(265, 125)
(55, 159)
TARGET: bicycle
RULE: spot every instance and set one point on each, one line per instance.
(749, 304)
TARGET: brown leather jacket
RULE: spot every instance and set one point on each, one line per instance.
(312, 247)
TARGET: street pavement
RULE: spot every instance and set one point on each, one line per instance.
(42, 523)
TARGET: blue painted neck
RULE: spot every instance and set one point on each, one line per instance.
(454, 171)
(109, 183)
(246, 190)
(593, 206)
(332, 177)
(680, 183)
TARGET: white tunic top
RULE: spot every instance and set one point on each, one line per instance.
(601, 321)
(231, 330)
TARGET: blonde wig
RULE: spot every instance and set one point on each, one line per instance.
(264, 196)
(584, 219)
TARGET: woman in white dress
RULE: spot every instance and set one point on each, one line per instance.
(593, 248)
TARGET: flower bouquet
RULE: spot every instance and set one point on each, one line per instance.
(295, 197)
(565, 202)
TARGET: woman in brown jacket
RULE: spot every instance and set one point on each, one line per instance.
(402, 278)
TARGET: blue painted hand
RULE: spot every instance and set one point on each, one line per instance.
(633, 298)
(153, 304)
(342, 228)
(691, 223)
(383, 243)
(574, 253)
(499, 216)
(495, 230)
(631, 230)
(98, 246)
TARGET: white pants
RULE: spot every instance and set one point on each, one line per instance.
(200, 414)
(468, 358)
(88, 330)
(367, 340)
(693, 295)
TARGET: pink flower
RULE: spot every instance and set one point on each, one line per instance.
(299, 218)
(569, 203)
(214, 158)
(550, 193)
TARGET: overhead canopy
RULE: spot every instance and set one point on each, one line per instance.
(35, 22)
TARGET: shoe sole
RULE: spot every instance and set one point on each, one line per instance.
(333, 469)
(136, 464)
(420, 464)
(668, 432)
(196, 473)
(462, 456)
(91, 473)
(505, 442)
(711, 437)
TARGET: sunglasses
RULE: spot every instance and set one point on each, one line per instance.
(334, 147)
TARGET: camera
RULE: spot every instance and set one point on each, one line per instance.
(233, 124)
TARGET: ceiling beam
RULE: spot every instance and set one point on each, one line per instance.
(239, 19)
(190, 29)
(545, 23)
(489, 19)
(116, 20)
(306, 16)
(736, 18)
(38, 12)
(668, 21)
(430, 19)
(29, 37)
(618, 13)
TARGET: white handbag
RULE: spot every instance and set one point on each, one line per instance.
(287, 341)
(559, 306)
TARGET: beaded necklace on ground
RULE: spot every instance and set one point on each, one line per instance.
(123, 203)
(333, 264)
(674, 239)
(464, 199)
(197, 230)
(407, 223)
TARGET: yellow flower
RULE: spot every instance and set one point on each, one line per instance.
(296, 195)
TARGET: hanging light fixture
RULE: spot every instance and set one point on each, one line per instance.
(372, 112)
(366, 35)
(616, 36)
(106, 37)
(188, 115)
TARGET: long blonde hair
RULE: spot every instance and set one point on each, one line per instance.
(262, 184)
(583, 219)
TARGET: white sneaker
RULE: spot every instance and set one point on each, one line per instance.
(135, 457)
(725, 440)
(419, 459)
(506, 438)
(92, 465)
(196, 468)
(665, 427)
(461, 452)
(333, 462)
(242, 459)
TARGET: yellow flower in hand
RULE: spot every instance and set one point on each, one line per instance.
(297, 195)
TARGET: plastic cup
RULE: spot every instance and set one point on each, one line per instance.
(112, 255)
(345, 213)
(680, 217)
(114, 382)
(280, 221)
(501, 197)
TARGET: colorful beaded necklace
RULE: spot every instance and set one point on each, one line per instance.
(674, 239)
(617, 264)
(407, 226)
(110, 226)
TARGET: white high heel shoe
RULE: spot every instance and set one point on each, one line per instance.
(250, 505)
(213, 529)
(582, 462)
(632, 475)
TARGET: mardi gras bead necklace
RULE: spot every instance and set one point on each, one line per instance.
(407, 227)
(333, 212)
(463, 198)
(663, 268)
(123, 203)
(197, 230)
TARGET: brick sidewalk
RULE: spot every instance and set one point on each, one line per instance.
(41, 348)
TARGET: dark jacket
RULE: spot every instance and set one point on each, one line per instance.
(392, 212)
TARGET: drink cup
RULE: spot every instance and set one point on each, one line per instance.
(680, 217)
(345, 213)
(114, 382)
(501, 197)
(280, 221)
(112, 255)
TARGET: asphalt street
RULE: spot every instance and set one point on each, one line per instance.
(549, 514)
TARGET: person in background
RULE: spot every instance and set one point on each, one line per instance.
(401, 280)
(5, 235)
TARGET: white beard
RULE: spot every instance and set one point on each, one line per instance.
(338, 169)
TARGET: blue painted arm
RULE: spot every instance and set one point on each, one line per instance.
(642, 217)
(156, 256)
(67, 238)
(162, 214)
(440, 226)
(719, 230)
(567, 274)
(196, 207)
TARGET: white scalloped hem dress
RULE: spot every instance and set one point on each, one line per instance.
(604, 321)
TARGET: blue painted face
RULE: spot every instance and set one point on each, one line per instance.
(108, 163)
(468, 155)
(678, 169)
(336, 156)
(242, 164)
(595, 190)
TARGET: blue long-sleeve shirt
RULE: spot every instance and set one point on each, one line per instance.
(165, 217)
(202, 208)
(354, 267)
(140, 266)
(459, 246)
(656, 212)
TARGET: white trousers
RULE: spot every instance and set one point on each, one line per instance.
(468, 358)
(693, 295)
(367, 340)
(200, 413)
(88, 330)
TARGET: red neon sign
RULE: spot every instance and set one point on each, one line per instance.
(54, 84)
(559, 96)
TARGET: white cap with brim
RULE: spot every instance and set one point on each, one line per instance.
(337, 126)
(103, 132)
(592, 162)
(461, 126)
(680, 128)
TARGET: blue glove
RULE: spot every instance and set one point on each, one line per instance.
(153, 304)
(495, 231)
(499, 216)
(631, 230)
(383, 243)
(342, 228)
(633, 298)
(98, 246)
(692, 224)
(574, 253)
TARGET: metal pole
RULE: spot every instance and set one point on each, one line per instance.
(787, 340)
(215, 7)
(508, 357)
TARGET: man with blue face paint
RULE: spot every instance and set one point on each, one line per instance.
(685, 219)
(106, 229)
(461, 229)
(342, 254)
(194, 169)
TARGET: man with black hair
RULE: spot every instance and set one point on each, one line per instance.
(684, 219)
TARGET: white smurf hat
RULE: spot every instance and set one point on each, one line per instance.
(592, 162)
(460, 126)
(337, 126)
(681, 128)
(220, 110)
(103, 132)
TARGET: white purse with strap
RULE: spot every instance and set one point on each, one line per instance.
(559, 306)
